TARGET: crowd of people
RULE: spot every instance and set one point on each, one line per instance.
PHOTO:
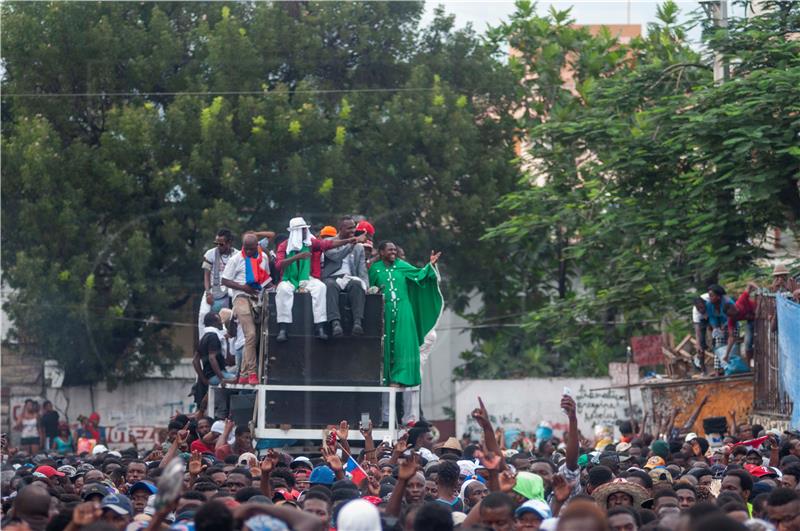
(207, 476)
(725, 327)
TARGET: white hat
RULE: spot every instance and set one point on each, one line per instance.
(690, 437)
(115, 453)
(297, 223)
(99, 449)
(219, 427)
(245, 458)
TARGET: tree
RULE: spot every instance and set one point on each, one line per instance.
(134, 130)
(669, 181)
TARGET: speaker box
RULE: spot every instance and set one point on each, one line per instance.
(303, 409)
(346, 360)
(242, 407)
(715, 425)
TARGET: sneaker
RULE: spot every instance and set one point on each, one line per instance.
(336, 328)
(321, 333)
(283, 335)
(358, 330)
(243, 379)
(253, 380)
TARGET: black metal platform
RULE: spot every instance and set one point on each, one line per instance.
(346, 360)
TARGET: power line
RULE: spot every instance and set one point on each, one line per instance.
(213, 93)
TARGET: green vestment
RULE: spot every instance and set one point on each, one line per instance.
(412, 305)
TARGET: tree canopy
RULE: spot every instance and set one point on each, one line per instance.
(134, 130)
(646, 181)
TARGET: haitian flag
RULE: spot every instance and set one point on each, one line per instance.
(355, 471)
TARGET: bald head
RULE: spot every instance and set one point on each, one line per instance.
(250, 244)
(32, 506)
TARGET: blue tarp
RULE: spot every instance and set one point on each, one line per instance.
(789, 352)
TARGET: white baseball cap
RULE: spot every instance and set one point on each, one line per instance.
(99, 449)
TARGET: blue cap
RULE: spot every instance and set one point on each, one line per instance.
(152, 489)
(322, 475)
(119, 503)
(538, 507)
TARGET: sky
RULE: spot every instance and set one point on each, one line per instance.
(483, 13)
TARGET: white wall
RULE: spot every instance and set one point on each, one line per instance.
(524, 403)
(141, 408)
(438, 391)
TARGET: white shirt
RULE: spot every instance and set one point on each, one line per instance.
(209, 259)
(697, 316)
(235, 271)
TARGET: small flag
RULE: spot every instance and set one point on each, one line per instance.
(355, 471)
(753, 443)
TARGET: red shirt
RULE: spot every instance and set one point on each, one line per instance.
(223, 451)
(199, 446)
(317, 248)
(746, 306)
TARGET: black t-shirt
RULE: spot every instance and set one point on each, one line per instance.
(210, 343)
(50, 424)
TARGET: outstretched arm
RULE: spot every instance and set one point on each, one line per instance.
(691, 420)
(570, 408)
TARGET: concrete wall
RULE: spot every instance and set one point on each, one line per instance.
(732, 393)
(438, 390)
(524, 403)
(140, 409)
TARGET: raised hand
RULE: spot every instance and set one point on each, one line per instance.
(183, 435)
(407, 466)
(569, 406)
(372, 485)
(489, 460)
(401, 446)
(343, 430)
(507, 481)
(86, 513)
(366, 431)
(481, 415)
(332, 459)
(269, 463)
(561, 488)
(196, 465)
(435, 257)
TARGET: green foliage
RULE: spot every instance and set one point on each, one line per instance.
(111, 197)
(650, 180)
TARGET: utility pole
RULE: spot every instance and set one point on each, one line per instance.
(717, 11)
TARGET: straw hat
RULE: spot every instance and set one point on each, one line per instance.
(450, 444)
(637, 493)
(780, 270)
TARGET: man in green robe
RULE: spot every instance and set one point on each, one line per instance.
(412, 306)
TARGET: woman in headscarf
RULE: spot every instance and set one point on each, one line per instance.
(529, 486)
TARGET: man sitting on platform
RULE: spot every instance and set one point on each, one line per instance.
(294, 260)
(345, 269)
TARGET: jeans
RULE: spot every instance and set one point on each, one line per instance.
(214, 380)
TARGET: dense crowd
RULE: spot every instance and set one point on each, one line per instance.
(207, 476)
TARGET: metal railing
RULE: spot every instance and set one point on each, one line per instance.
(770, 397)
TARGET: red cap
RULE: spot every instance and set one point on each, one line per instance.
(95, 417)
(49, 471)
(758, 471)
(366, 226)
(374, 500)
